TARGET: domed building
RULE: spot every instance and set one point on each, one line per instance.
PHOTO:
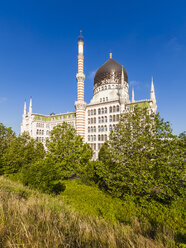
(95, 120)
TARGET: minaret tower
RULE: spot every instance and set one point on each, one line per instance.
(80, 105)
(153, 97)
(30, 106)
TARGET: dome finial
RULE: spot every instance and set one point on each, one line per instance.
(80, 38)
(110, 55)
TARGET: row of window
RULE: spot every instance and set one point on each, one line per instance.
(112, 118)
(41, 132)
(104, 99)
(38, 124)
(101, 137)
(41, 139)
(112, 109)
(93, 145)
(91, 129)
(106, 87)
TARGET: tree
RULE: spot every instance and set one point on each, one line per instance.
(67, 150)
(6, 137)
(142, 158)
(21, 152)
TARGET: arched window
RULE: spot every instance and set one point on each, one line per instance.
(102, 136)
(110, 127)
(110, 109)
(99, 111)
(88, 129)
(117, 108)
(88, 120)
(102, 110)
(105, 110)
(114, 118)
(110, 118)
(102, 119)
(99, 129)
(103, 99)
(94, 120)
(88, 137)
(105, 137)
(105, 127)
(94, 137)
(114, 109)
(117, 117)
(99, 137)
(102, 129)
(94, 128)
(105, 118)
(99, 119)
(94, 111)
(107, 99)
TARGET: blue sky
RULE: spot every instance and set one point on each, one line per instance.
(38, 53)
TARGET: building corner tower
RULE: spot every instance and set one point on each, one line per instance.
(80, 104)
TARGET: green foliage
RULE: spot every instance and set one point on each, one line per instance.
(21, 151)
(67, 150)
(6, 137)
(142, 158)
(44, 175)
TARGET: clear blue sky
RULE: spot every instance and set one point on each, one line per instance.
(38, 53)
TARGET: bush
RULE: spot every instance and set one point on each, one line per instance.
(45, 176)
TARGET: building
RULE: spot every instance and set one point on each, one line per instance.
(95, 120)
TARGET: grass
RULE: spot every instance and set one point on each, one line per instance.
(82, 216)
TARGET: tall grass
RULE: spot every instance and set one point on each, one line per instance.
(30, 219)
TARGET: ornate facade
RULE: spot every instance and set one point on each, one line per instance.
(95, 120)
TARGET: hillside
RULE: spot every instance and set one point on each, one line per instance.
(31, 219)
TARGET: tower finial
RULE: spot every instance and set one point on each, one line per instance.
(80, 37)
(110, 55)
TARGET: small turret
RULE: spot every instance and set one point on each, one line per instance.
(30, 106)
(152, 92)
(153, 97)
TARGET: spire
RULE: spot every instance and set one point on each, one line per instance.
(110, 55)
(152, 92)
(30, 106)
(24, 113)
(133, 95)
(122, 77)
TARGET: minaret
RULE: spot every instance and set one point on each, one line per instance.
(24, 113)
(30, 106)
(122, 91)
(133, 95)
(152, 92)
(80, 105)
(153, 97)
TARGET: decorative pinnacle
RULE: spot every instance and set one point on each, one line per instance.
(80, 38)
(110, 55)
